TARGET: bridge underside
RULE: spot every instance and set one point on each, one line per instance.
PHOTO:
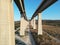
(7, 31)
(44, 5)
(20, 5)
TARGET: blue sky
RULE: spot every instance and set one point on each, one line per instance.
(51, 13)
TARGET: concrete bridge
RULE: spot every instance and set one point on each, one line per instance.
(7, 31)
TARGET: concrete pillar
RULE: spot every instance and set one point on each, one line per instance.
(7, 36)
(39, 24)
(23, 26)
(34, 23)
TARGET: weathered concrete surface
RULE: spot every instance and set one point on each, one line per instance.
(6, 23)
(39, 24)
(23, 26)
(34, 23)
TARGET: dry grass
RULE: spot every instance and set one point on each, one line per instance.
(51, 27)
(52, 30)
(45, 39)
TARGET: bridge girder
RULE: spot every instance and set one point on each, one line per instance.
(20, 5)
(44, 5)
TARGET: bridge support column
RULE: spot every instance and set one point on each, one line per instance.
(39, 24)
(34, 23)
(23, 26)
(7, 36)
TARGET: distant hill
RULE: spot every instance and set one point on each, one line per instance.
(52, 22)
(47, 22)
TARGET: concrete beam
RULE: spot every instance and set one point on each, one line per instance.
(7, 36)
(44, 5)
(20, 5)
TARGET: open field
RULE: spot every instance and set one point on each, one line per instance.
(51, 33)
(52, 30)
(51, 36)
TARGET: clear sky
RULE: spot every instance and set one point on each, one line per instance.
(51, 13)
